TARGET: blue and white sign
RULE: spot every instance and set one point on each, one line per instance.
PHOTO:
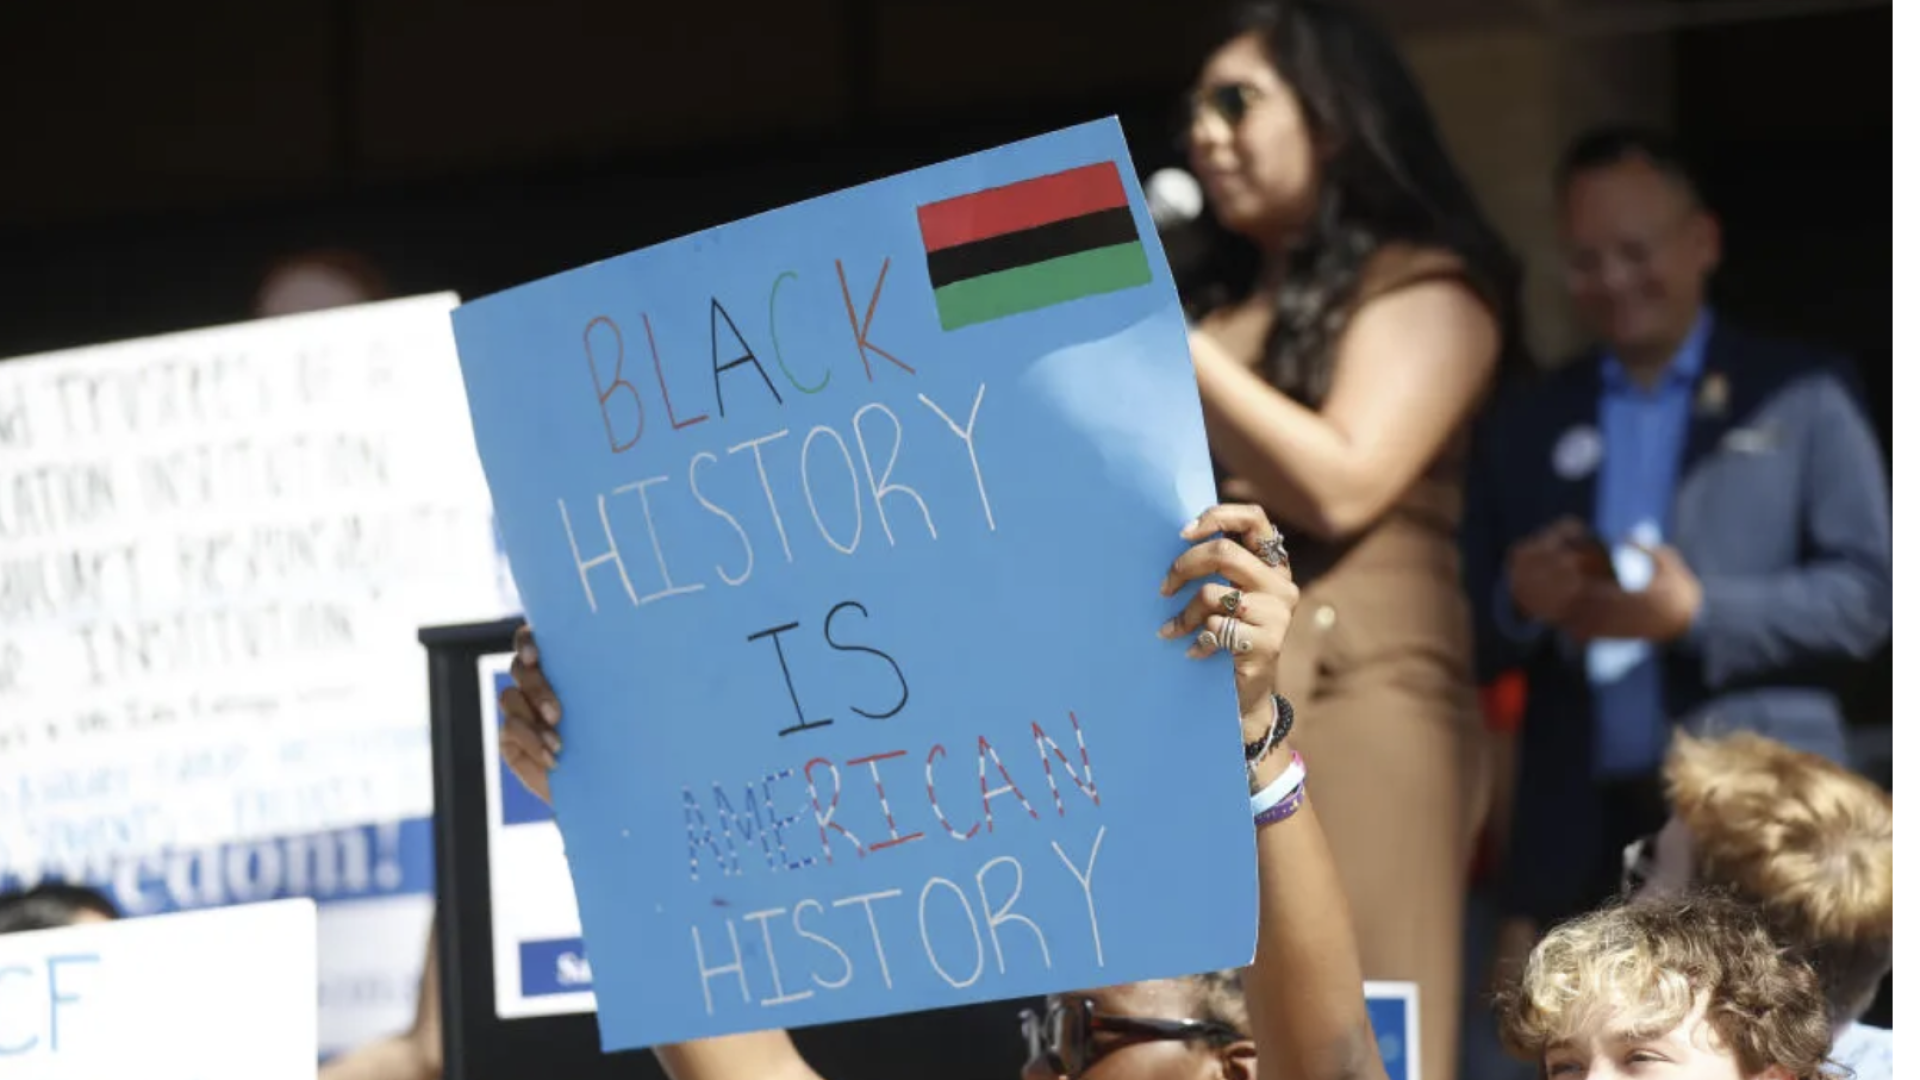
(841, 527)
(219, 547)
(1394, 1008)
(214, 995)
(373, 887)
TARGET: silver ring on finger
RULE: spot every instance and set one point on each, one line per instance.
(1273, 550)
(1242, 637)
(1241, 641)
(1208, 640)
(1230, 634)
(1230, 602)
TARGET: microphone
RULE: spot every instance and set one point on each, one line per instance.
(1175, 202)
(1173, 198)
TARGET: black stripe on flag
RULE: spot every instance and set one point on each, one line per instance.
(1070, 236)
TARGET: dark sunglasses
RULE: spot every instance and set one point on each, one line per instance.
(1062, 1037)
(1228, 101)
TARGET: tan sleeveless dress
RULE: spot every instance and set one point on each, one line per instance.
(1379, 665)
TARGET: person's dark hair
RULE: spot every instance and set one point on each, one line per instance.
(1387, 178)
(1604, 147)
(1220, 997)
(51, 905)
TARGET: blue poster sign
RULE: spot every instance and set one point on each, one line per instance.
(1394, 1009)
(841, 527)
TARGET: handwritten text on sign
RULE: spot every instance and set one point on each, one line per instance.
(216, 549)
(840, 527)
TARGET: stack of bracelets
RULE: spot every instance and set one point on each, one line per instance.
(1281, 799)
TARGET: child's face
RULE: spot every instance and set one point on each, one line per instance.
(1692, 1050)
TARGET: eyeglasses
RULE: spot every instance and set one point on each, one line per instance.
(1634, 254)
(1636, 864)
(1228, 101)
(1062, 1037)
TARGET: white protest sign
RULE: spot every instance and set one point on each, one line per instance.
(216, 549)
(209, 995)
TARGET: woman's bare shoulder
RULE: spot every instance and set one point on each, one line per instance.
(1397, 265)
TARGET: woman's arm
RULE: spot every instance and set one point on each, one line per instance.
(1413, 364)
(1305, 997)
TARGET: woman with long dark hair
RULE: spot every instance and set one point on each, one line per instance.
(1356, 312)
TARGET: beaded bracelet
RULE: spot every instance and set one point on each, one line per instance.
(1277, 730)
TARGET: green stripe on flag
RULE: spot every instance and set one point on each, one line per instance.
(1042, 284)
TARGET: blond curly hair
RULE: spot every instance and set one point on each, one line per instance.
(1804, 838)
(1643, 968)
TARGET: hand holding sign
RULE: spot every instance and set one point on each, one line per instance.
(529, 743)
(1259, 595)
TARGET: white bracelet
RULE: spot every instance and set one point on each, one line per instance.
(1283, 785)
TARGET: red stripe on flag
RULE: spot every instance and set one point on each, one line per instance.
(1001, 210)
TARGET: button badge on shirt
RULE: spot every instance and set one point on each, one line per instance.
(1710, 401)
(1577, 452)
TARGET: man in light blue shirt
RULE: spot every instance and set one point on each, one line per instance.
(1642, 431)
(1688, 527)
(1645, 422)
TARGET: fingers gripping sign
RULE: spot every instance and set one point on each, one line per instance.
(529, 743)
(1212, 598)
(1247, 616)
